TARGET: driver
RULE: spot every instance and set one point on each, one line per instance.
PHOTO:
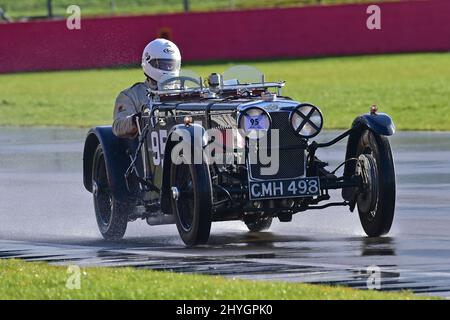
(161, 57)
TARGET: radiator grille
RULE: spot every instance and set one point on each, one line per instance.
(291, 161)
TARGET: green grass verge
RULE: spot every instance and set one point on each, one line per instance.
(27, 8)
(26, 280)
(413, 88)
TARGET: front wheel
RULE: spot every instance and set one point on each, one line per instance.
(112, 215)
(376, 196)
(191, 201)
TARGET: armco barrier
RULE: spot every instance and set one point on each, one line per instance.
(407, 26)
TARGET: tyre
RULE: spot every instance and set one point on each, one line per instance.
(259, 224)
(191, 201)
(376, 196)
(112, 215)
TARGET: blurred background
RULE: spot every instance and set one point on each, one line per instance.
(330, 53)
(29, 9)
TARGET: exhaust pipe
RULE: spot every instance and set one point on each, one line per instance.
(161, 219)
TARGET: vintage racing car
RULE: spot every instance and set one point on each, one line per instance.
(231, 147)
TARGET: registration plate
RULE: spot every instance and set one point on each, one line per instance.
(290, 188)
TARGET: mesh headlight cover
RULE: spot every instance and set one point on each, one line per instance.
(306, 120)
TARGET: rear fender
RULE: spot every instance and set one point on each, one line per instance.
(116, 158)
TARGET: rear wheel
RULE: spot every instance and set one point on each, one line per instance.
(259, 224)
(191, 201)
(112, 215)
(376, 196)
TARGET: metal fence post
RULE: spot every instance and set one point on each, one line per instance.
(113, 6)
(186, 5)
(50, 8)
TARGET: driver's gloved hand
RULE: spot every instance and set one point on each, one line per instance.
(136, 116)
(146, 109)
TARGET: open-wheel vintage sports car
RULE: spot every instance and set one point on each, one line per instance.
(231, 147)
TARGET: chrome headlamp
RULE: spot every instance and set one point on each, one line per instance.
(254, 122)
(306, 120)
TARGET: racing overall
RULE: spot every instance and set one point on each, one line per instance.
(128, 103)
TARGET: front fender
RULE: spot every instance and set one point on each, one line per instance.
(379, 123)
(196, 134)
(116, 158)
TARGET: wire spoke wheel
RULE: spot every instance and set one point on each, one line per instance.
(367, 197)
(102, 194)
(376, 195)
(191, 201)
(112, 216)
(185, 204)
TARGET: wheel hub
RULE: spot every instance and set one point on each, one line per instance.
(94, 188)
(175, 193)
(368, 193)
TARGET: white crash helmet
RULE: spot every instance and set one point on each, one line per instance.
(160, 58)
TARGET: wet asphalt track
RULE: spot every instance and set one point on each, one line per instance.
(45, 214)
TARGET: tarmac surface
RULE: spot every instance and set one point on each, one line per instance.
(45, 214)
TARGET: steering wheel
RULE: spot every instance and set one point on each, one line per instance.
(181, 79)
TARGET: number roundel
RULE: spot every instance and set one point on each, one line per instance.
(254, 122)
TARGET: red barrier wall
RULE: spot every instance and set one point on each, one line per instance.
(408, 26)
